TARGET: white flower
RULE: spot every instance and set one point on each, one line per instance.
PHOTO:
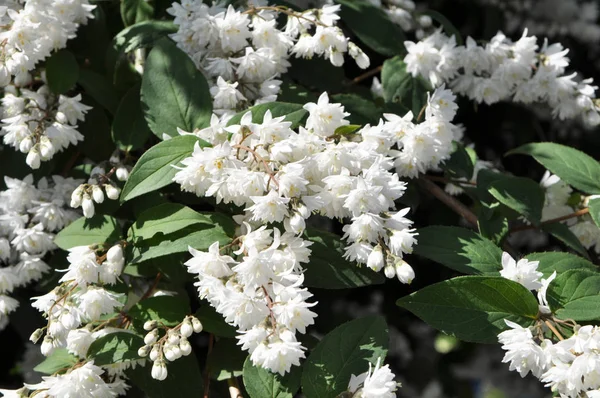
(96, 301)
(269, 208)
(376, 383)
(524, 272)
(324, 117)
(522, 352)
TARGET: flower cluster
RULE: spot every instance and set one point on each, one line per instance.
(570, 366)
(80, 299)
(30, 30)
(376, 383)
(40, 123)
(243, 52)
(560, 201)
(30, 215)
(505, 70)
(100, 185)
(169, 347)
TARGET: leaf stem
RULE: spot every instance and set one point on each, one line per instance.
(578, 213)
(366, 75)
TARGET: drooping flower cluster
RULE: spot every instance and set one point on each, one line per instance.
(30, 30)
(100, 183)
(173, 344)
(80, 299)
(243, 52)
(282, 176)
(561, 202)
(30, 215)
(505, 70)
(570, 367)
(40, 123)
(376, 383)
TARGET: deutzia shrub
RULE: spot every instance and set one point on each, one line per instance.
(204, 198)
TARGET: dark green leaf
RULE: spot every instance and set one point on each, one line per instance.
(155, 170)
(344, 351)
(293, 113)
(372, 26)
(400, 87)
(559, 262)
(97, 144)
(88, 231)
(523, 195)
(572, 166)
(473, 308)
(184, 379)
(174, 92)
(135, 11)
(62, 71)
(575, 294)
(60, 359)
(317, 74)
(143, 34)
(115, 347)
(327, 268)
(460, 249)
(594, 206)
(213, 322)
(261, 383)
(460, 164)
(168, 310)
(129, 129)
(226, 360)
(492, 224)
(99, 88)
(362, 111)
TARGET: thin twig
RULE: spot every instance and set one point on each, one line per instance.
(70, 163)
(259, 158)
(578, 213)
(366, 75)
(449, 201)
(211, 341)
(151, 289)
(554, 330)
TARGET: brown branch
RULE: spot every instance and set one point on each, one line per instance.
(554, 330)
(449, 201)
(70, 163)
(578, 213)
(151, 289)
(259, 158)
(211, 341)
(366, 75)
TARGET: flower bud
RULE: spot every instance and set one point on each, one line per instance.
(122, 173)
(296, 223)
(159, 370)
(185, 347)
(389, 271)
(35, 336)
(375, 261)
(61, 118)
(97, 171)
(186, 328)
(47, 346)
(33, 158)
(115, 255)
(4, 76)
(46, 148)
(154, 353)
(111, 191)
(87, 205)
(97, 194)
(404, 272)
(76, 196)
(151, 337)
(196, 325)
(148, 325)
(144, 350)
(25, 144)
(173, 338)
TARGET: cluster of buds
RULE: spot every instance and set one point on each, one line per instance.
(172, 345)
(94, 190)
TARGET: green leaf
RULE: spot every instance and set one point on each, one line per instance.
(344, 351)
(167, 310)
(261, 383)
(327, 268)
(523, 195)
(571, 165)
(115, 347)
(129, 129)
(155, 170)
(449, 28)
(400, 87)
(184, 379)
(317, 74)
(88, 231)
(226, 360)
(594, 206)
(62, 71)
(362, 111)
(174, 92)
(563, 233)
(492, 224)
(460, 249)
(460, 164)
(143, 34)
(473, 308)
(60, 359)
(97, 144)
(218, 228)
(99, 88)
(347, 129)
(166, 218)
(372, 26)
(213, 322)
(134, 11)
(575, 294)
(559, 262)
(293, 113)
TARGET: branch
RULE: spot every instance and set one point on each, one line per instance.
(449, 201)
(366, 75)
(578, 213)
